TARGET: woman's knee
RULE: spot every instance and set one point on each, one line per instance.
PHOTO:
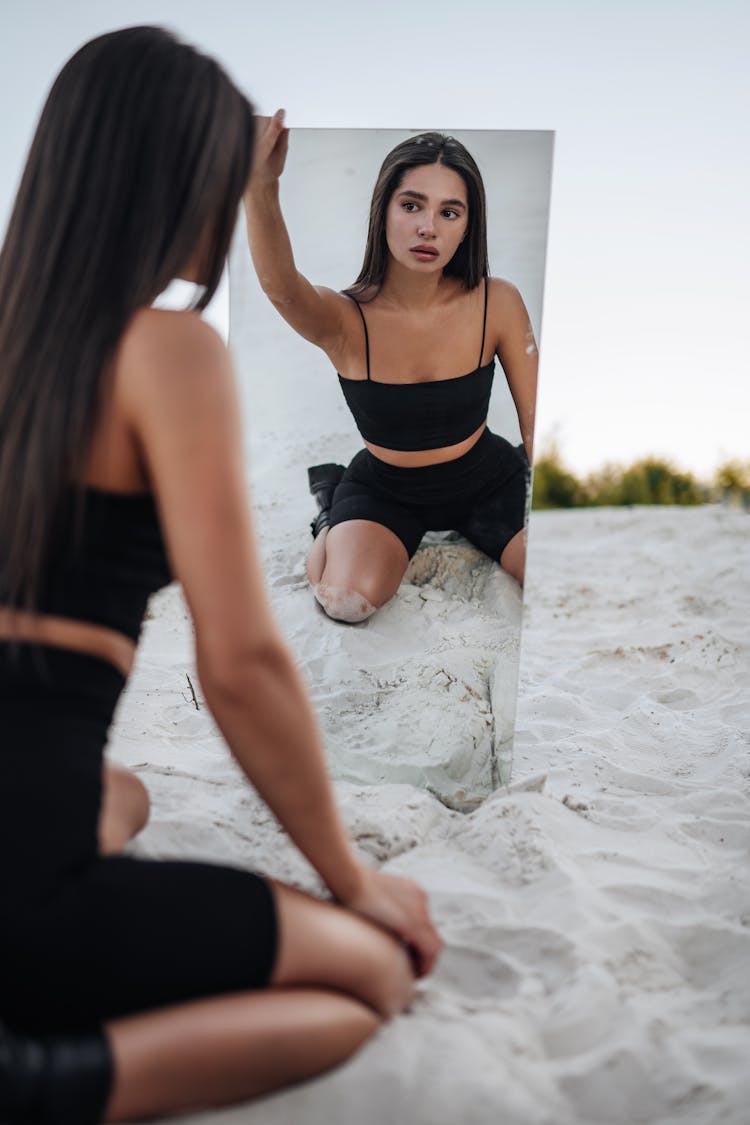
(364, 563)
(343, 603)
(513, 557)
(135, 795)
(394, 982)
(125, 808)
(327, 945)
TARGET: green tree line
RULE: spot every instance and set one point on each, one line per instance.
(651, 480)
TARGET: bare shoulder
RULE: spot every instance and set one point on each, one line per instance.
(337, 304)
(164, 352)
(164, 339)
(506, 311)
(345, 325)
(332, 296)
(503, 296)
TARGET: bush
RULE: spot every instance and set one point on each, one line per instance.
(554, 485)
(732, 482)
(651, 480)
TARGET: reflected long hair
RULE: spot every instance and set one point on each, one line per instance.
(140, 156)
(470, 262)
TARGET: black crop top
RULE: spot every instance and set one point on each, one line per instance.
(106, 574)
(425, 415)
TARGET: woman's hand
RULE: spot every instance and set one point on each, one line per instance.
(269, 151)
(401, 906)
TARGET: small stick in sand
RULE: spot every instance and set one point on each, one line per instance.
(192, 692)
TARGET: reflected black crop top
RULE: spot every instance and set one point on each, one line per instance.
(105, 574)
(425, 415)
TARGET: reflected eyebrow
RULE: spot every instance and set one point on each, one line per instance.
(423, 199)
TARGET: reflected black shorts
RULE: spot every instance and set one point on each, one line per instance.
(482, 495)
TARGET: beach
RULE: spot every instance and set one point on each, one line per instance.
(565, 769)
(596, 909)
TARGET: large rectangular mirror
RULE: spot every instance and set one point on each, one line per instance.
(425, 690)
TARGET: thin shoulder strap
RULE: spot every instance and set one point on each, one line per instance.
(367, 338)
(484, 323)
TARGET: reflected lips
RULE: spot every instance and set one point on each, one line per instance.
(424, 253)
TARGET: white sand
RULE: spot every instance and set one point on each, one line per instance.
(597, 912)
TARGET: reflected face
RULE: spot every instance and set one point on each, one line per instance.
(427, 217)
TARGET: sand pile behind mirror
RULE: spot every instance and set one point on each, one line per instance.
(597, 912)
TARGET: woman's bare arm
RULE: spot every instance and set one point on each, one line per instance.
(516, 347)
(316, 312)
(179, 397)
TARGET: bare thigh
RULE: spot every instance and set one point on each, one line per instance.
(361, 556)
(513, 558)
(336, 976)
(227, 1049)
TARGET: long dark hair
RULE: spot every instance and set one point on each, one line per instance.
(470, 262)
(141, 154)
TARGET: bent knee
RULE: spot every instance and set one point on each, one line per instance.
(125, 809)
(513, 557)
(343, 604)
(330, 946)
(514, 570)
(138, 799)
(393, 982)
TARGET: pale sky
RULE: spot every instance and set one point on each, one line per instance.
(646, 331)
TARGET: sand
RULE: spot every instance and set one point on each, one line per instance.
(596, 911)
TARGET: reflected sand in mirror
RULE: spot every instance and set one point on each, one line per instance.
(406, 696)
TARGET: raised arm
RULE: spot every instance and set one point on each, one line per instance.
(316, 312)
(180, 401)
(516, 347)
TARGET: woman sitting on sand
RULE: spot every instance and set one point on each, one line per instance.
(422, 309)
(133, 988)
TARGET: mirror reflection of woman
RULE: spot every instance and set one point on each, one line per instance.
(414, 341)
(134, 988)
